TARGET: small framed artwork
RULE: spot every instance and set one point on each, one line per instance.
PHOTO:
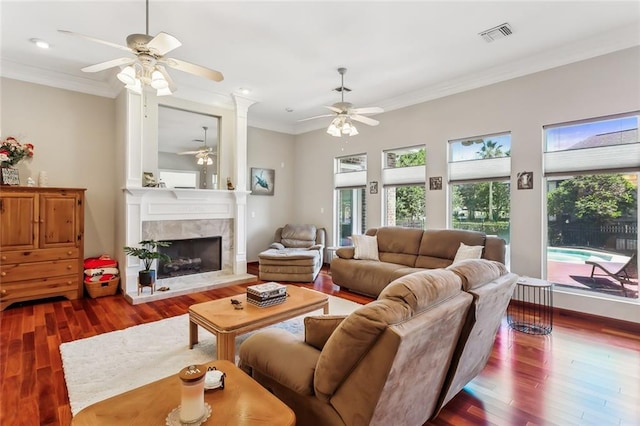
(525, 180)
(262, 181)
(10, 176)
(373, 187)
(435, 183)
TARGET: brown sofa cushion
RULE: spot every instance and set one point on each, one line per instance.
(398, 245)
(477, 272)
(444, 244)
(317, 329)
(298, 235)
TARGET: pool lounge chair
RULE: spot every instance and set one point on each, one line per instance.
(621, 272)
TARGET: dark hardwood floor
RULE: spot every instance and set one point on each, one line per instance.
(586, 372)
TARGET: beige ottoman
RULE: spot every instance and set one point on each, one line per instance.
(289, 265)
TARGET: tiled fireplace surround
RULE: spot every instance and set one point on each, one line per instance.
(166, 214)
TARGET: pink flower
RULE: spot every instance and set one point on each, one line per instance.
(12, 151)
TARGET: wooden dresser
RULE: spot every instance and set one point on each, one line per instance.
(41, 243)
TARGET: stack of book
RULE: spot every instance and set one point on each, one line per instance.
(267, 294)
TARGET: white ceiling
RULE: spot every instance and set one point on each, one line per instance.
(287, 53)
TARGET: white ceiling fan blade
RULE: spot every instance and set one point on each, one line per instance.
(367, 110)
(163, 43)
(193, 69)
(97, 40)
(109, 64)
(365, 120)
(317, 116)
(187, 152)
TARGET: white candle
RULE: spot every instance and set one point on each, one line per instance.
(192, 401)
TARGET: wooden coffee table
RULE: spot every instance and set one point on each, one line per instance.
(220, 318)
(242, 402)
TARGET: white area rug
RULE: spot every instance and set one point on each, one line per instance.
(102, 366)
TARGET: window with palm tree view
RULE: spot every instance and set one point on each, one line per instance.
(591, 170)
(479, 170)
(403, 178)
(350, 179)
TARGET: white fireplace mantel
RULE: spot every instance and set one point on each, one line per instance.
(167, 204)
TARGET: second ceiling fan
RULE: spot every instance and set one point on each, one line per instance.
(343, 112)
(204, 153)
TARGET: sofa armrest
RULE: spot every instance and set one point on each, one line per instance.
(277, 246)
(316, 247)
(346, 252)
(282, 356)
(318, 329)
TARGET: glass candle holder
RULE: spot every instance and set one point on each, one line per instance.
(192, 393)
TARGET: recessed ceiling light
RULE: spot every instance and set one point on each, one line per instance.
(40, 43)
(288, 109)
(245, 91)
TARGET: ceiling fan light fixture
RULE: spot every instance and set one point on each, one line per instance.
(200, 161)
(158, 81)
(128, 75)
(136, 87)
(209, 161)
(164, 92)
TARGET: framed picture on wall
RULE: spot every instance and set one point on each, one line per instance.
(435, 183)
(262, 181)
(525, 180)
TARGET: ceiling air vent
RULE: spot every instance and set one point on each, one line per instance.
(495, 33)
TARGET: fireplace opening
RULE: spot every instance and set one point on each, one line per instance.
(191, 256)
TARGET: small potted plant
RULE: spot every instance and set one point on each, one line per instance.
(148, 252)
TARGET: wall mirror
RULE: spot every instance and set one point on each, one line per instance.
(188, 146)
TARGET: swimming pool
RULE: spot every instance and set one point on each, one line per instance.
(571, 255)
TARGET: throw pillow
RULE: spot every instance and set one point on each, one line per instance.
(366, 247)
(318, 329)
(468, 252)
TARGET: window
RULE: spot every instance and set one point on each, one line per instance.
(403, 178)
(591, 169)
(350, 180)
(479, 172)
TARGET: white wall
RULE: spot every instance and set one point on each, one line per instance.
(265, 213)
(74, 138)
(601, 86)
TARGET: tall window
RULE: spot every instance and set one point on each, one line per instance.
(350, 180)
(479, 170)
(403, 178)
(591, 170)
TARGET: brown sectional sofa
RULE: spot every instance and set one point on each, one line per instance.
(403, 251)
(397, 360)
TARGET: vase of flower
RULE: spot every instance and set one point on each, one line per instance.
(11, 153)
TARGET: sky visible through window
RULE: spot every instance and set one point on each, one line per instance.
(469, 149)
(563, 138)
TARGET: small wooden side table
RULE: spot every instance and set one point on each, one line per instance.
(243, 401)
(532, 311)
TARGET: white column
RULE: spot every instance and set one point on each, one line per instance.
(240, 180)
(240, 165)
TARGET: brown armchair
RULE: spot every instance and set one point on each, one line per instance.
(295, 255)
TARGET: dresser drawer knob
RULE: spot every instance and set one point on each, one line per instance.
(69, 252)
(3, 292)
(4, 274)
(69, 266)
(4, 257)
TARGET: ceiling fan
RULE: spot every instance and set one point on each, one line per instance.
(343, 112)
(147, 65)
(205, 152)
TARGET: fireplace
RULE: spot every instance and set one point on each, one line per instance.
(191, 256)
